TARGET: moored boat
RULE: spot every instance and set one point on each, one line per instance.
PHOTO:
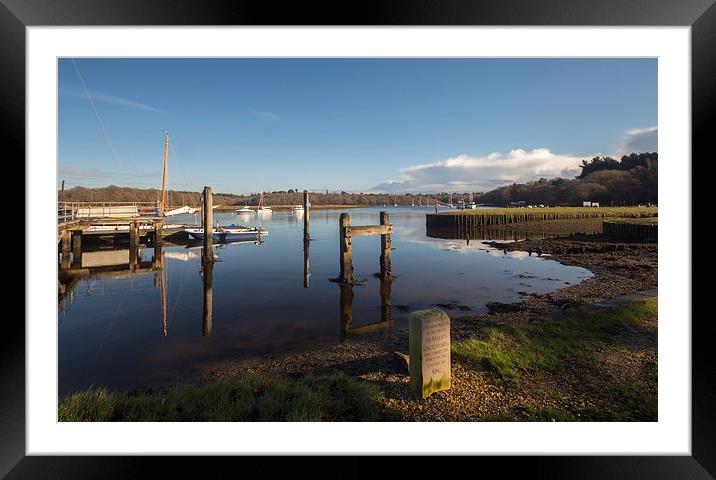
(228, 233)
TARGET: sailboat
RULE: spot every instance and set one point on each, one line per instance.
(176, 211)
(262, 208)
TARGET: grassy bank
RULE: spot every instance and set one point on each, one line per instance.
(253, 397)
(509, 351)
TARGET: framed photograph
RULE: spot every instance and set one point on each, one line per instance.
(407, 230)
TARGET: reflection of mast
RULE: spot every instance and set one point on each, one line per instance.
(207, 269)
(162, 284)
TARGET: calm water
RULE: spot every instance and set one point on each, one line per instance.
(112, 327)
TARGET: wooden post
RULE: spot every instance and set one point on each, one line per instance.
(306, 219)
(208, 223)
(346, 299)
(77, 248)
(158, 263)
(346, 250)
(133, 244)
(386, 241)
(66, 240)
(207, 271)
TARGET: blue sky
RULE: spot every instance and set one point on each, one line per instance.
(243, 125)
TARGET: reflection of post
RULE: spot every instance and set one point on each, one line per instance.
(346, 250)
(385, 245)
(77, 248)
(386, 305)
(346, 310)
(306, 220)
(306, 263)
(207, 268)
(208, 226)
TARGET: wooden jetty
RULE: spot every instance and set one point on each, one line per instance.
(487, 217)
(347, 232)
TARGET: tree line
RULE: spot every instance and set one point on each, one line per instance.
(629, 181)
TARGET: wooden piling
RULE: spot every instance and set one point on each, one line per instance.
(385, 245)
(77, 248)
(66, 241)
(133, 244)
(208, 218)
(346, 250)
(306, 219)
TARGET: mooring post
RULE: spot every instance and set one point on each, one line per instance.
(346, 249)
(207, 271)
(386, 267)
(77, 248)
(306, 219)
(133, 244)
(66, 240)
(208, 227)
(158, 244)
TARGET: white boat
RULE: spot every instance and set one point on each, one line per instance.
(262, 208)
(244, 209)
(298, 208)
(228, 233)
(177, 211)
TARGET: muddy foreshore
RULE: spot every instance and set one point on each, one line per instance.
(618, 268)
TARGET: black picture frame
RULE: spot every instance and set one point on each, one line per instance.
(700, 15)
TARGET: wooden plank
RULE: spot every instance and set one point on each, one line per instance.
(365, 230)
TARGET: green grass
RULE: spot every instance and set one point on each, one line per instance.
(606, 211)
(253, 397)
(507, 351)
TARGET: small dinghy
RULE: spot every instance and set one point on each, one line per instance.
(228, 233)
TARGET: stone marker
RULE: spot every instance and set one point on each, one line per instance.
(429, 352)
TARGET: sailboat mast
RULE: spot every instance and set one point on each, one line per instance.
(164, 175)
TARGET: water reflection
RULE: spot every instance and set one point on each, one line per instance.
(111, 310)
(347, 330)
(483, 233)
(306, 262)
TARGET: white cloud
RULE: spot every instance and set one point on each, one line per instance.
(640, 140)
(267, 116)
(470, 173)
(111, 99)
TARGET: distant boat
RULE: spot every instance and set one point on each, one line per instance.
(228, 233)
(244, 209)
(298, 208)
(262, 208)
